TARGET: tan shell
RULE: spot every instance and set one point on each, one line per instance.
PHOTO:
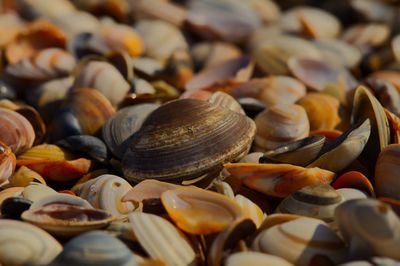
(224, 100)
(155, 234)
(278, 180)
(322, 110)
(7, 163)
(280, 124)
(199, 211)
(299, 240)
(158, 149)
(22, 244)
(255, 259)
(386, 181)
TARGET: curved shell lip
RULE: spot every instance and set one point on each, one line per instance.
(191, 169)
(67, 227)
(283, 153)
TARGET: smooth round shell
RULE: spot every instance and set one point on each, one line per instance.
(280, 124)
(161, 148)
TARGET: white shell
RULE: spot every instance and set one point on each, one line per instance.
(250, 209)
(22, 244)
(36, 191)
(161, 239)
(299, 240)
(61, 198)
(255, 259)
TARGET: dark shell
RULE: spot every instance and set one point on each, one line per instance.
(86, 145)
(13, 207)
(186, 138)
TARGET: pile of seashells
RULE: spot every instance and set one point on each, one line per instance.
(199, 132)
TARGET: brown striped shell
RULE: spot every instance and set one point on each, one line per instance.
(186, 138)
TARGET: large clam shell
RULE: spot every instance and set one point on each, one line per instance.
(198, 211)
(22, 244)
(16, 131)
(317, 201)
(386, 179)
(37, 191)
(367, 106)
(158, 149)
(95, 248)
(123, 124)
(280, 124)
(370, 227)
(299, 240)
(300, 152)
(278, 180)
(155, 233)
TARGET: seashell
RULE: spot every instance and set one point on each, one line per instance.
(299, 240)
(61, 217)
(85, 112)
(328, 134)
(388, 76)
(262, 34)
(250, 209)
(154, 32)
(196, 95)
(339, 52)
(373, 11)
(368, 35)
(13, 207)
(33, 9)
(60, 198)
(237, 69)
(278, 180)
(34, 246)
(252, 107)
(386, 93)
(394, 203)
(105, 192)
(370, 227)
(199, 211)
(308, 22)
(365, 105)
(225, 20)
(385, 179)
(209, 54)
(395, 45)
(52, 162)
(38, 35)
(85, 145)
(224, 100)
(151, 230)
(179, 69)
(268, 11)
(24, 176)
(316, 201)
(36, 191)
(166, 161)
(277, 218)
(322, 110)
(102, 76)
(10, 25)
(7, 162)
(300, 152)
(148, 190)
(228, 238)
(338, 154)
(122, 38)
(117, 131)
(6, 91)
(95, 248)
(280, 124)
(356, 180)
(281, 90)
(306, 69)
(256, 259)
(253, 157)
(19, 134)
(76, 22)
(123, 62)
(351, 193)
(10, 192)
(45, 65)
(273, 54)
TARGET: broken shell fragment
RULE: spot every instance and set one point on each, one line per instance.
(151, 230)
(278, 180)
(199, 211)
